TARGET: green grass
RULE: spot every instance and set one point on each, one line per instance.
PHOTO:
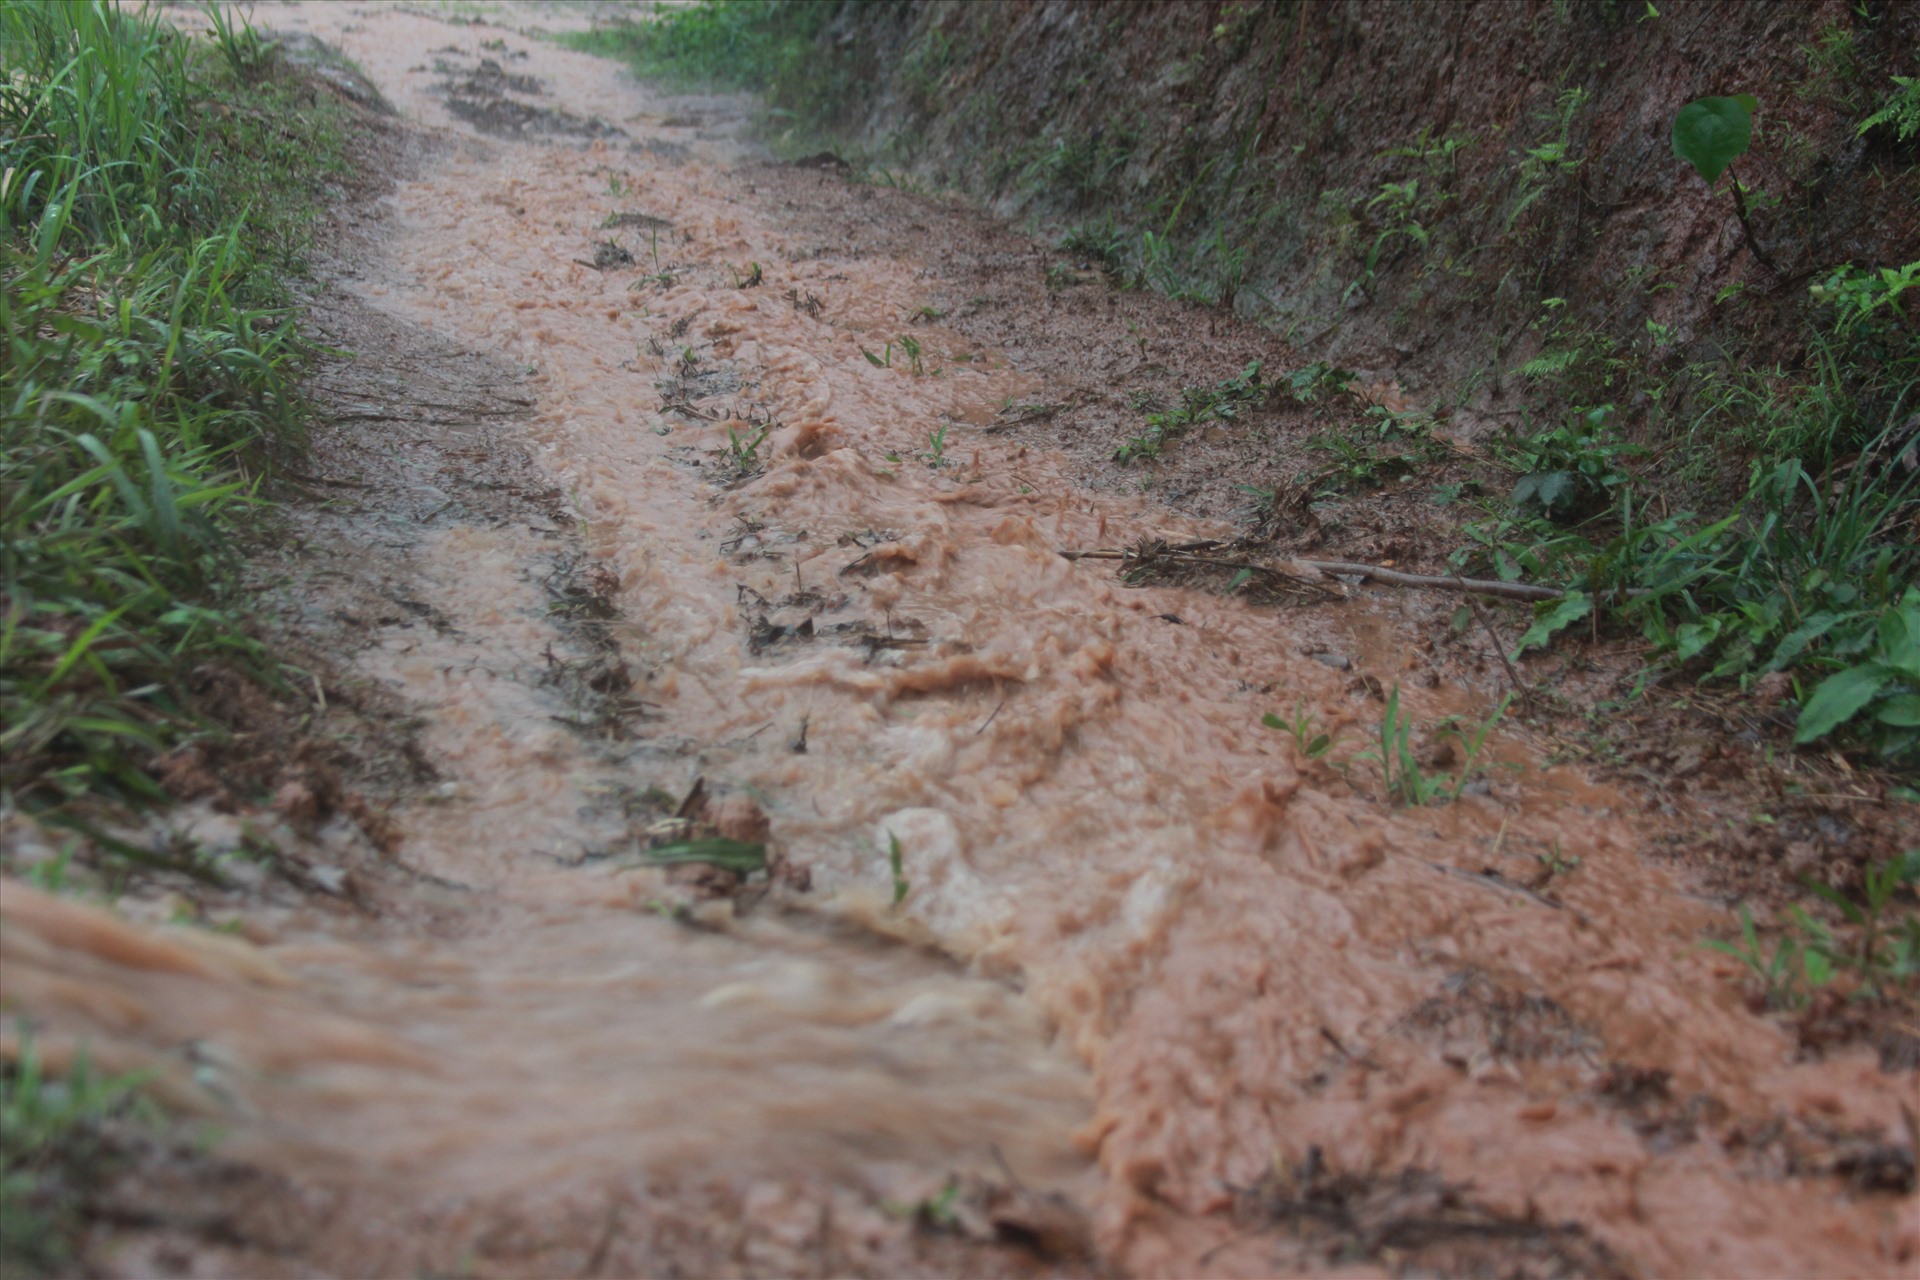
(50, 1140)
(154, 199)
(1807, 568)
(764, 46)
(1406, 780)
(1869, 952)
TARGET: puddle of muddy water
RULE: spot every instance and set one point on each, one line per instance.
(1256, 963)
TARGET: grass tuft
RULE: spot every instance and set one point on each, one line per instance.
(764, 46)
(50, 1139)
(152, 201)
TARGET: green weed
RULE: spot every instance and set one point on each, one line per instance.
(1810, 955)
(1884, 681)
(1310, 741)
(1407, 782)
(248, 53)
(1085, 168)
(743, 451)
(1396, 210)
(911, 348)
(1806, 569)
(1899, 111)
(895, 179)
(935, 1212)
(1777, 972)
(50, 1147)
(1319, 382)
(901, 887)
(1569, 471)
(1353, 464)
(1103, 241)
(1550, 161)
(1222, 402)
(1555, 863)
(936, 452)
(1710, 134)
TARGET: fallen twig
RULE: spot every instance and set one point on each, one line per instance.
(990, 715)
(1188, 553)
(1473, 586)
(1500, 650)
(1386, 577)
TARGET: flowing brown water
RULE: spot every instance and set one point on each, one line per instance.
(1186, 957)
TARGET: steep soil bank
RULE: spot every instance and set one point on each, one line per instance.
(1077, 937)
(1398, 188)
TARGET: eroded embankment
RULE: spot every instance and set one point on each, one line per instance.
(1284, 1018)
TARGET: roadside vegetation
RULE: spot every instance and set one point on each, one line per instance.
(157, 190)
(58, 1131)
(1804, 566)
(762, 46)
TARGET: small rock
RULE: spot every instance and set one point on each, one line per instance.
(1334, 660)
(331, 879)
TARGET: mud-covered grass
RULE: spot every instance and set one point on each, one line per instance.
(159, 191)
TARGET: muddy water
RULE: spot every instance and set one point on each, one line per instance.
(1176, 956)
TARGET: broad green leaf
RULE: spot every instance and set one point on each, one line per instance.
(734, 855)
(1692, 637)
(1712, 133)
(1568, 610)
(1837, 698)
(1902, 712)
(1549, 489)
(1900, 640)
(1800, 637)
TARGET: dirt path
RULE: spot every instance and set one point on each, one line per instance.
(1159, 994)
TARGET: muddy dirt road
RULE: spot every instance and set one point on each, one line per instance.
(1060, 945)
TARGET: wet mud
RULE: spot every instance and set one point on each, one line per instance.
(1057, 960)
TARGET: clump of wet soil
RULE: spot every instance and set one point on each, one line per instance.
(488, 97)
(1414, 1222)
